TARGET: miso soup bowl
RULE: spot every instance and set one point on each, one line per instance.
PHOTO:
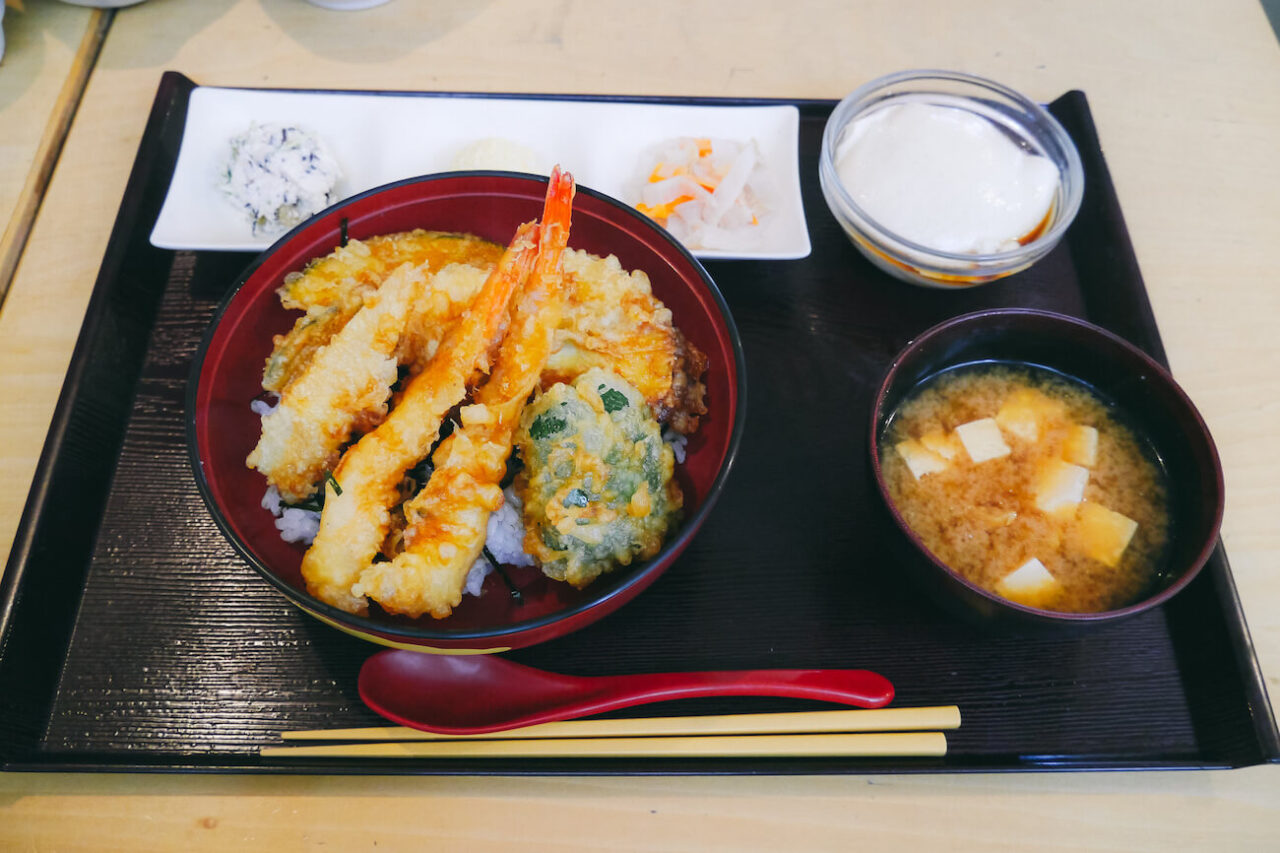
(1145, 397)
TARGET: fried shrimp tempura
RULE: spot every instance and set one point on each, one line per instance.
(355, 520)
(447, 521)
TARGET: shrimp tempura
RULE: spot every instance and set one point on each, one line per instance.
(447, 520)
(357, 512)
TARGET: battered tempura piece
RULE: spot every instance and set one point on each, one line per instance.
(614, 322)
(356, 519)
(447, 520)
(344, 388)
(597, 485)
(331, 289)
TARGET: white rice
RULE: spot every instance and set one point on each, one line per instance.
(262, 408)
(294, 524)
(677, 442)
(505, 541)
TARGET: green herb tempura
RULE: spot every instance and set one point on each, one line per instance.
(597, 485)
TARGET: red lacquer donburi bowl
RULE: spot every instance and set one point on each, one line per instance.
(227, 376)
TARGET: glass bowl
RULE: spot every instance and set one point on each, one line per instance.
(1022, 120)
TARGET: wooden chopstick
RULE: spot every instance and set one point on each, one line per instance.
(18, 230)
(875, 720)
(895, 744)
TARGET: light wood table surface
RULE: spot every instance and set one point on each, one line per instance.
(1186, 96)
(41, 41)
(49, 51)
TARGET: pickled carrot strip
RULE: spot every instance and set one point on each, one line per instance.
(661, 212)
(657, 176)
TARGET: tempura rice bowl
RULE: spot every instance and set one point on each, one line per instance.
(227, 374)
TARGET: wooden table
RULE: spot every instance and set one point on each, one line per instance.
(50, 51)
(1187, 100)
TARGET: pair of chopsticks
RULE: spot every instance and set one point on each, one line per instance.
(897, 732)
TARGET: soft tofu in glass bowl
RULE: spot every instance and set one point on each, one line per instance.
(948, 180)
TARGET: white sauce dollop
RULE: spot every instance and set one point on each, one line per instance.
(945, 177)
(495, 152)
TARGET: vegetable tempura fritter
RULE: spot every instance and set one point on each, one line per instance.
(597, 484)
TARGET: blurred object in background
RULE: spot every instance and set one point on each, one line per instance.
(104, 4)
(347, 4)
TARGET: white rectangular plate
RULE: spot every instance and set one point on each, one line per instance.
(378, 139)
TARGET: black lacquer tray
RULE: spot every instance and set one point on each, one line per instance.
(133, 638)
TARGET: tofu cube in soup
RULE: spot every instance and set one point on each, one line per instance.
(1081, 446)
(1025, 412)
(982, 440)
(1103, 534)
(1031, 584)
(1060, 485)
(920, 459)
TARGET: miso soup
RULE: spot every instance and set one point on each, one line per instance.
(1026, 483)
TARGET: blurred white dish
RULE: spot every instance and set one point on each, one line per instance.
(347, 5)
(103, 4)
(382, 138)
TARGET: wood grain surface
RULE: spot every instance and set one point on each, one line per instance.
(42, 41)
(56, 126)
(1186, 96)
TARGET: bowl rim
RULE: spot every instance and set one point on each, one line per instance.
(1072, 183)
(412, 633)
(1064, 617)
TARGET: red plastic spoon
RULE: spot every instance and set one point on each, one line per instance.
(475, 694)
